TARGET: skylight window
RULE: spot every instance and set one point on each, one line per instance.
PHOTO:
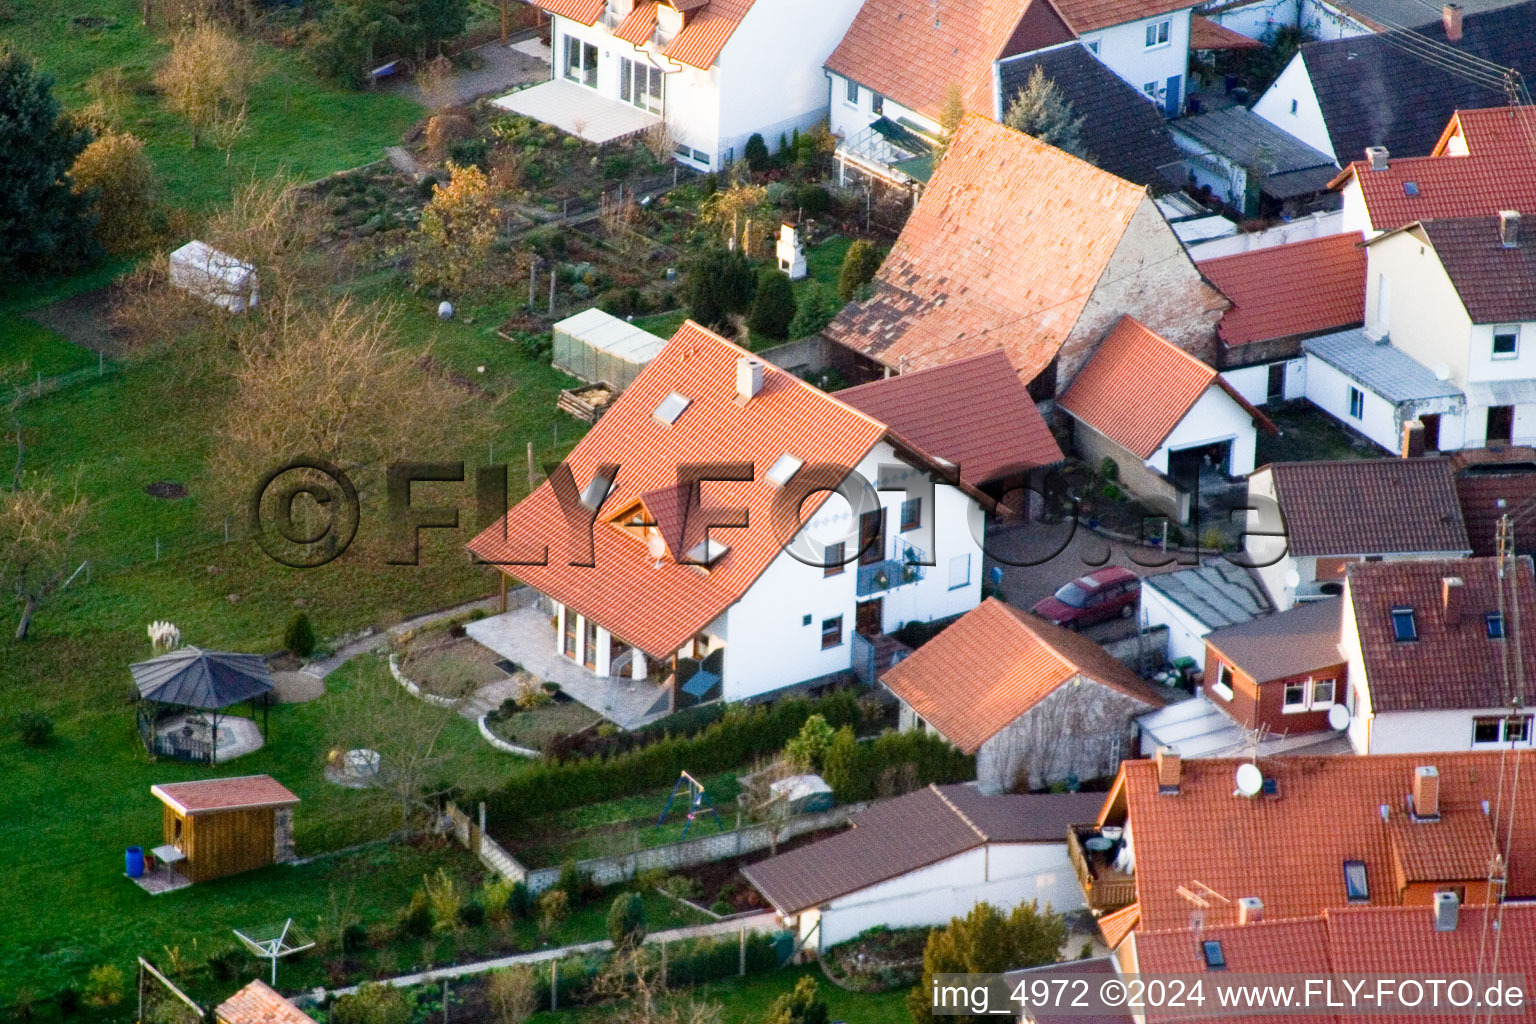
(1493, 624)
(1215, 958)
(596, 491)
(1405, 627)
(671, 408)
(707, 552)
(1410, 188)
(1355, 885)
(784, 469)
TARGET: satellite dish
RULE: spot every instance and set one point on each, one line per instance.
(1292, 579)
(1338, 718)
(1442, 372)
(1250, 781)
(656, 546)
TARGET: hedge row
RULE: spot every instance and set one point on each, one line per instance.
(895, 763)
(739, 736)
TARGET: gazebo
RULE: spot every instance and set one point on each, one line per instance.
(182, 695)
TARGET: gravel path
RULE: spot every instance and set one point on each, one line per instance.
(325, 666)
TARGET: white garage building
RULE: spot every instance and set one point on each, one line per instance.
(924, 858)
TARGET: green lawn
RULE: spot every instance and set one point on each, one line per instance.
(746, 1001)
(823, 263)
(289, 111)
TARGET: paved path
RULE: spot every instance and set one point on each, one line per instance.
(756, 923)
(346, 652)
(503, 68)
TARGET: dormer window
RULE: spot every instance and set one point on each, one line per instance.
(1405, 627)
(707, 552)
(596, 491)
(671, 408)
(1493, 625)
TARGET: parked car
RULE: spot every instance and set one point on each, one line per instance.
(1100, 595)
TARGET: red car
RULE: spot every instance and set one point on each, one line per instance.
(1100, 595)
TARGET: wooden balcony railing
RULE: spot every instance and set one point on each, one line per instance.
(1104, 888)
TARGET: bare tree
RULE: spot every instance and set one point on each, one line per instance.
(512, 993)
(632, 983)
(658, 138)
(40, 522)
(208, 73)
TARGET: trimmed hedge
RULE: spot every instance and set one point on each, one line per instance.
(643, 761)
(894, 763)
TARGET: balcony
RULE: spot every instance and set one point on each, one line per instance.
(890, 573)
(1104, 888)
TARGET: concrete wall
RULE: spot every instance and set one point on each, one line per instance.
(1328, 389)
(1002, 874)
(1083, 729)
(1260, 20)
(1252, 382)
(1306, 121)
(1322, 20)
(1185, 632)
(1150, 276)
(1135, 475)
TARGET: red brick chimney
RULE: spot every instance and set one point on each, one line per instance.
(1169, 770)
(1250, 910)
(1426, 791)
(1413, 439)
(1450, 17)
(1452, 599)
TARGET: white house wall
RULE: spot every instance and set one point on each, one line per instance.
(1328, 389)
(1252, 382)
(1185, 632)
(1123, 48)
(770, 72)
(1424, 317)
(1002, 874)
(1323, 21)
(1214, 418)
(1259, 20)
(773, 646)
(848, 119)
(1425, 732)
(1306, 123)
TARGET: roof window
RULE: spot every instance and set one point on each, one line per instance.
(1356, 888)
(671, 408)
(1493, 625)
(784, 469)
(1410, 188)
(1405, 627)
(596, 491)
(707, 552)
(1215, 958)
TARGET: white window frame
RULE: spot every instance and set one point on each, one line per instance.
(1309, 701)
(1150, 90)
(960, 562)
(1159, 34)
(1222, 687)
(1093, 46)
(1512, 330)
(850, 92)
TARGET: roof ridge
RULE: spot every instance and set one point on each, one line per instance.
(934, 786)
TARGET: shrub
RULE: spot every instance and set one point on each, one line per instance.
(472, 915)
(496, 898)
(1109, 469)
(354, 938)
(538, 347)
(809, 747)
(574, 882)
(891, 763)
(513, 993)
(36, 728)
(813, 200)
(122, 179)
(817, 308)
(456, 232)
(721, 907)
(467, 152)
(445, 898)
(299, 637)
(373, 1003)
(774, 307)
(554, 907)
(520, 900)
(860, 264)
(756, 154)
(720, 282)
(548, 242)
(800, 1005)
(104, 985)
(416, 919)
(618, 166)
(626, 920)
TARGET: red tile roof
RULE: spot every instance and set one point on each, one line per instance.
(1456, 847)
(910, 832)
(1091, 15)
(1289, 850)
(1117, 924)
(1489, 490)
(1490, 130)
(1205, 34)
(1290, 290)
(637, 28)
(972, 412)
(1138, 386)
(706, 31)
(585, 11)
(995, 663)
(259, 1004)
(243, 791)
(1003, 251)
(657, 608)
(1369, 506)
(1453, 665)
(913, 51)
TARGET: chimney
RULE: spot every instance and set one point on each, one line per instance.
(1450, 17)
(1426, 792)
(1377, 156)
(1452, 599)
(1413, 439)
(1169, 770)
(749, 378)
(1447, 908)
(1509, 228)
(1250, 910)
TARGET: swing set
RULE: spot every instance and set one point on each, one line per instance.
(698, 800)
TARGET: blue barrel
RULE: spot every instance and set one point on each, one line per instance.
(134, 860)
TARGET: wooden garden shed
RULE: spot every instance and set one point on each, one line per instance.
(218, 827)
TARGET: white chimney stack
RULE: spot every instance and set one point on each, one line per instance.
(1377, 157)
(1509, 228)
(1447, 910)
(749, 378)
(1250, 910)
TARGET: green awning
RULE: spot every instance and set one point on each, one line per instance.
(901, 135)
(919, 167)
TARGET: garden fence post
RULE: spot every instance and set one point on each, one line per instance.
(533, 279)
(445, 1001)
(663, 963)
(741, 971)
(554, 985)
(530, 468)
(552, 276)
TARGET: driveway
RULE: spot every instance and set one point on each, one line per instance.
(1076, 553)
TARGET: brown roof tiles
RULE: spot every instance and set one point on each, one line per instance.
(995, 663)
(1496, 283)
(1369, 507)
